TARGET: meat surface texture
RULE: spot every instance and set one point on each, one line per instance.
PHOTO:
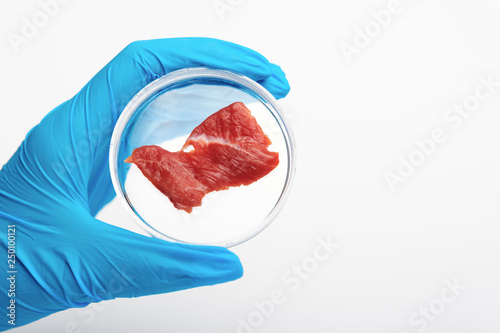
(229, 150)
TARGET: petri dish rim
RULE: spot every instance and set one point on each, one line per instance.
(184, 76)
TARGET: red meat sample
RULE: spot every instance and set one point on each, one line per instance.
(229, 149)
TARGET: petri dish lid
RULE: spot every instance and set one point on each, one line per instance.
(164, 113)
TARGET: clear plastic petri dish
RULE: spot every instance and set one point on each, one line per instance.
(164, 113)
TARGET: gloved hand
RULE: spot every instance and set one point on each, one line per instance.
(58, 180)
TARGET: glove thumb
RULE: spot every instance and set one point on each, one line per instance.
(125, 264)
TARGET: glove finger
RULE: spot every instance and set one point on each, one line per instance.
(121, 263)
(276, 83)
(158, 57)
(161, 56)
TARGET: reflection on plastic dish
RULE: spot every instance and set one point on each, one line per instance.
(164, 113)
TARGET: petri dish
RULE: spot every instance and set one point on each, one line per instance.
(164, 113)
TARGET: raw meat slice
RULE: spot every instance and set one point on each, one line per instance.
(229, 149)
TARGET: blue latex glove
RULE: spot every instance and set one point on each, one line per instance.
(58, 180)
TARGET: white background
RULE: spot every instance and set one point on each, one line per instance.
(353, 121)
